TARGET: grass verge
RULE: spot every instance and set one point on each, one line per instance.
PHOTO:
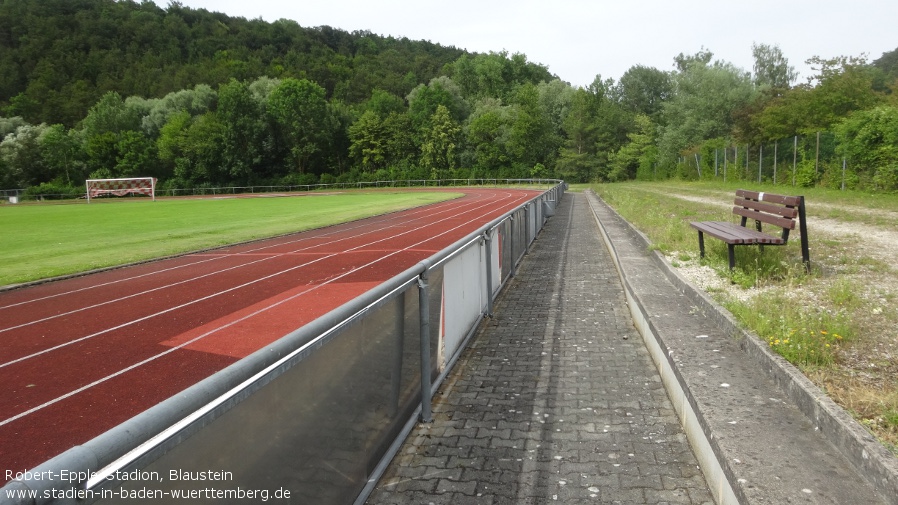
(47, 240)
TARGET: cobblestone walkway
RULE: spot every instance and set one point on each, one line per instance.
(556, 399)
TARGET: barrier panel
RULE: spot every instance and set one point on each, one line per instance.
(316, 416)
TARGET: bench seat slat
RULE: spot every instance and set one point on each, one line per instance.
(735, 234)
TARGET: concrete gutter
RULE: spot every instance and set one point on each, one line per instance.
(762, 432)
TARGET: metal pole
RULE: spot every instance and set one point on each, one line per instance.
(527, 218)
(760, 161)
(843, 174)
(725, 149)
(817, 156)
(424, 311)
(488, 243)
(794, 159)
(511, 245)
(715, 163)
(736, 158)
(775, 145)
(698, 166)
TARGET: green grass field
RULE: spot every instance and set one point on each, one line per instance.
(47, 240)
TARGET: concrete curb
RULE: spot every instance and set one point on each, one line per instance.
(871, 459)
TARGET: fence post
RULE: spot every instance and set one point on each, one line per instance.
(715, 163)
(488, 243)
(843, 174)
(424, 311)
(817, 157)
(760, 161)
(775, 145)
(527, 218)
(511, 245)
(794, 159)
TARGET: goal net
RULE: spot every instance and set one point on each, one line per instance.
(121, 187)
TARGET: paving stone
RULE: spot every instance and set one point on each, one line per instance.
(549, 403)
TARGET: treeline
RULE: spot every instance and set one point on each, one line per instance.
(101, 88)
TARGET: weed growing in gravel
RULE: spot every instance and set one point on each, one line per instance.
(801, 335)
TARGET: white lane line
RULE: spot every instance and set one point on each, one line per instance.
(343, 228)
(248, 316)
(184, 281)
(254, 281)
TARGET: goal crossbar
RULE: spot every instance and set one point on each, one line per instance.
(121, 187)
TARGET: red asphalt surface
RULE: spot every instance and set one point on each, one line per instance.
(82, 355)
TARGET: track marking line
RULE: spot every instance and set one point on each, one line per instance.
(271, 256)
(173, 349)
(343, 228)
(254, 281)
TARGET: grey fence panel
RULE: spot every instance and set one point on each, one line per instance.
(314, 431)
(464, 302)
(495, 259)
(506, 247)
(519, 235)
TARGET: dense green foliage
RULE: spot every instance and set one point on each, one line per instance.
(106, 88)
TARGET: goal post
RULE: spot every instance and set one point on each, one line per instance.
(121, 187)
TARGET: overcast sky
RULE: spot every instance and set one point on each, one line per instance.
(578, 39)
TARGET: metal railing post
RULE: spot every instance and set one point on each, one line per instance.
(527, 218)
(424, 311)
(488, 243)
(511, 246)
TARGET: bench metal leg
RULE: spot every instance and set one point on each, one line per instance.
(701, 244)
(731, 252)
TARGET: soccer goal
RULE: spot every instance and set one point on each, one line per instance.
(121, 187)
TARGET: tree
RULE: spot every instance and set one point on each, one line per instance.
(841, 86)
(644, 90)
(487, 133)
(194, 101)
(244, 132)
(530, 139)
(638, 155)
(300, 112)
(423, 101)
(61, 153)
(703, 107)
(21, 155)
(578, 161)
(438, 150)
(135, 156)
(869, 139)
(369, 142)
(771, 68)
(383, 103)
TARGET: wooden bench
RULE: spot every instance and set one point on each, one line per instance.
(777, 210)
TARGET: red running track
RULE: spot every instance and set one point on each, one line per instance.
(80, 356)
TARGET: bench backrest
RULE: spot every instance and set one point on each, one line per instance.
(778, 210)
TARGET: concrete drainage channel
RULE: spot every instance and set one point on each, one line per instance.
(762, 432)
